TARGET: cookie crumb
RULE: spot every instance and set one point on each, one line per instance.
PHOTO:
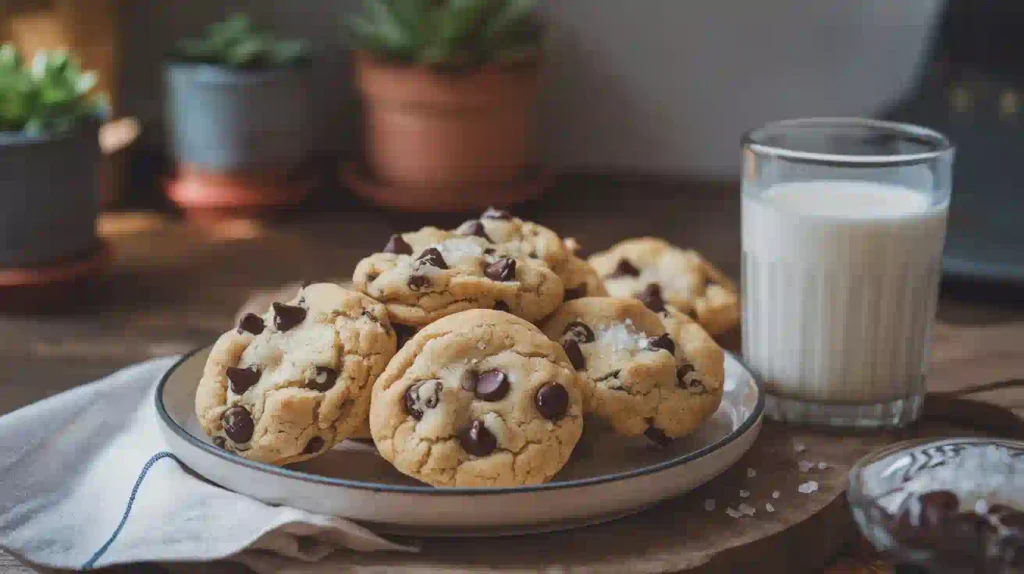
(747, 509)
(808, 487)
(734, 513)
(744, 494)
(709, 504)
(805, 465)
(799, 447)
(822, 465)
(776, 494)
(768, 506)
(751, 473)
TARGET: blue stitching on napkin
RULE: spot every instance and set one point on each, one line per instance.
(131, 500)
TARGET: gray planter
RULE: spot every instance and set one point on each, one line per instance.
(49, 197)
(225, 120)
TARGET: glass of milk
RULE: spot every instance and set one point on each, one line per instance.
(843, 227)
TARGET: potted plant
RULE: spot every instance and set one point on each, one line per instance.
(240, 127)
(49, 163)
(449, 88)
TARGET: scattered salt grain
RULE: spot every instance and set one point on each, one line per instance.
(709, 504)
(799, 447)
(768, 506)
(744, 494)
(733, 513)
(776, 494)
(622, 337)
(808, 487)
(751, 473)
(747, 509)
(805, 465)
(822, 465)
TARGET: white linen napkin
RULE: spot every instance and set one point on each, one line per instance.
(86, 480)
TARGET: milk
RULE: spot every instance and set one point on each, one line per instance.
(840, 285)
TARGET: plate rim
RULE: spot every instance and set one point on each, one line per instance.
(196, 442)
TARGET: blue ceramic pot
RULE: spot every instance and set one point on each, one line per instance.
(224, 120)
(49, 196)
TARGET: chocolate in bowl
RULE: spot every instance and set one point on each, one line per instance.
(955, 505)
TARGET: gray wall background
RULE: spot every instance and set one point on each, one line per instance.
(658, 86)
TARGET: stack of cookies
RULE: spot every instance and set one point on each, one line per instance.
(473, 354)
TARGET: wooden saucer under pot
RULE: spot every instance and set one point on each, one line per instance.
(55, 286)
(207, 196)
(530, 185)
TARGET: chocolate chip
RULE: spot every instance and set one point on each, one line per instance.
(662, 342)
(502, 306)
(501, 270)
(403, 333)
(477, 440)
(685, 369)
(418, 282)
(579, 331)
(493, 213)
(928, 510)
(238, 424)
(323, 380)
(608, 376)
(657, 436)
(476, 229)
(219, 442)
(491, 386)
(489, 251)
(576, 292)
(416, 404)
(625, 269)
(575, 354)
(251, 323)
(398, 246)
(433, 258)
(552, 401)
(1000, 509)
(651, 298)
(241, 380)
(1013, 521)
(287, 317)
(315, 445)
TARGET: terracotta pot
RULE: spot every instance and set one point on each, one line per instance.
(431, 129)
(205, 194)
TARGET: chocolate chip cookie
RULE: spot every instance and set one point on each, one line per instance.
(431, 273)
(647, 373)
(682, 277)
(479, 398)
(288, 385)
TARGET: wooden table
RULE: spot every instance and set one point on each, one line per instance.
(175, 286)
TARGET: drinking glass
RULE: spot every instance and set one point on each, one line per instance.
(844, 221)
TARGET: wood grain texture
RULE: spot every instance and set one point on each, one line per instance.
(176, 286)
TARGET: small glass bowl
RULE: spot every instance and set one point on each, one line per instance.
(951, 505)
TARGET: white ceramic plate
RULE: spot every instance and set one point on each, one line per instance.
(607, 477)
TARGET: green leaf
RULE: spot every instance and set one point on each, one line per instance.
(513, 15)
(390, 30)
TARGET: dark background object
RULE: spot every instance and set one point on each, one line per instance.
(972, 90)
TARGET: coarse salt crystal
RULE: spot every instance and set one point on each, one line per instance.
(622, 337)
(822, 465)
(456, 251)
(776, 494)
(744, 494)
(799, 447)
(768, 506)
(747, 509)
(709, 504)
(808, 487)
(805, 465)
(751, 473)
(734, 513)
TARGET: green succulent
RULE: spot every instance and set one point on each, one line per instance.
(51, 95)
(449, 33)
(236, 43)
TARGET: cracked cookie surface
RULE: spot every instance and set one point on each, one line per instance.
(428, 274)
(478, 399)
(656, 374)
(290, 384)
(684, 278)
